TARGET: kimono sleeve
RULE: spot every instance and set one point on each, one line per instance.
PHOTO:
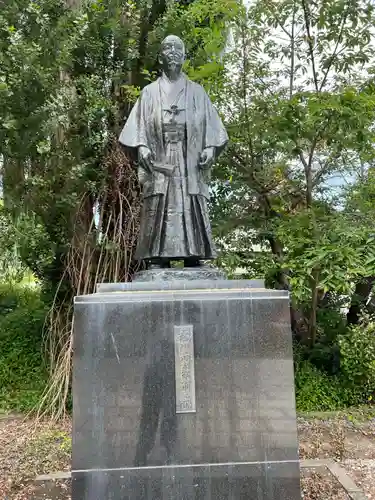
(134, 133)
(215, 134)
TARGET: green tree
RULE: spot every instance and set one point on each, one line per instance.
(299, 110)
(70, 72)
(359, 202)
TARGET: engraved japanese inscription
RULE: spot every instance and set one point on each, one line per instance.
(184, 369)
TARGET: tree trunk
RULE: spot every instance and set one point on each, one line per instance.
(297, 319)
(359, 299)
(313, 308)
(13, 183)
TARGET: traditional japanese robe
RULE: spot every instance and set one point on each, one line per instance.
(176, 121)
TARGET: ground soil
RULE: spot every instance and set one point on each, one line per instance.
(28, 449)
(339, 438)
(363, 474)
(349, 439)
(318, 486)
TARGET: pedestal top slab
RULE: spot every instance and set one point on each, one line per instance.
(204, 291)
(196, 284)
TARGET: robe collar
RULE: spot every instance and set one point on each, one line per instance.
(181, 80)
(172, 91)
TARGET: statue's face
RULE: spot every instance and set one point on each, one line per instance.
(172, 54)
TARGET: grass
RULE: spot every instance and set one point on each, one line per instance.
(354, 414)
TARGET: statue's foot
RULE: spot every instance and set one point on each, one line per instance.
(192, 262)
(160, 264)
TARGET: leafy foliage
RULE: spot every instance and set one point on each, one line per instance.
(68, 79)
(300, 111)
(316, 391)
(69, 74)
(12, 269)
(357, 359)
(23, 370)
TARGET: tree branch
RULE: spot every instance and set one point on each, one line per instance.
(308, 176)
(324, 168)
(277, 18)
(310, 43)
(303, 160)
(292, 52)
(244, 90)
(335, 53)
(266, 86)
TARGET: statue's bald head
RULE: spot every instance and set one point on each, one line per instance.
(172, 54)
(175, 40)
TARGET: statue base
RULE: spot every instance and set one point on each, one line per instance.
(184, 390)
(180, 273)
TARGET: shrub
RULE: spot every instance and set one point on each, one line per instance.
(320, 388)
(316, 390)
(357, 361)
(23, 372)
(330, 318)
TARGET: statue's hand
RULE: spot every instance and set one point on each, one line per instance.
(142, 175)
(145, 158)
(207, 158)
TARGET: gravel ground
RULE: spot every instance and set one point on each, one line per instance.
(28, 449)
(349, 441)
(363, 474)
(336, 438)
(59, 490)
(321, 487)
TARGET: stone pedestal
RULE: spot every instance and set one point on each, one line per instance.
(184, 392)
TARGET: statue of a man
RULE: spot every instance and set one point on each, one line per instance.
(178, 134)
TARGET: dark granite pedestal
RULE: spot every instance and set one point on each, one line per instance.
(184, 392)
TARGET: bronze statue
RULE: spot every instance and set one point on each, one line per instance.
(178, 134)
